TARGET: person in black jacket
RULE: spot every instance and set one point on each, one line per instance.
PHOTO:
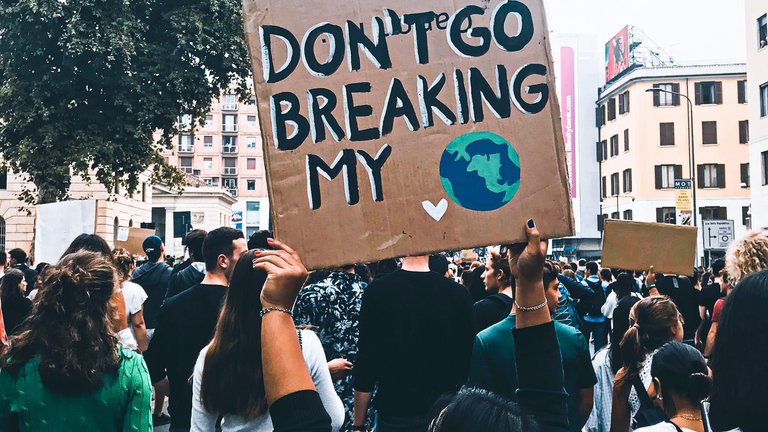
(154, 276)
(18, 260)
(192, 271)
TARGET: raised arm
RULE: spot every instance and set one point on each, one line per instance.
(294, 403)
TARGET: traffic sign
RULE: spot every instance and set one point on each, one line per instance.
(718, 234)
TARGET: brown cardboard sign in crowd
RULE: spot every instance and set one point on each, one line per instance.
(398, 127)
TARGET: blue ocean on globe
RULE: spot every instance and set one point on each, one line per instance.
(480, 171)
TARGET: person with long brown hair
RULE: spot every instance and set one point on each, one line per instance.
(132, 332)
(228, 376)
(15, 305)
(654, 321)
(65, 367)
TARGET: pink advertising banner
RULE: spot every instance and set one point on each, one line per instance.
(568, 111)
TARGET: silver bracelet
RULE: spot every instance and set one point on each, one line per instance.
(267, 310)
(530, 309)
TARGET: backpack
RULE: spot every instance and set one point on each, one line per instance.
(598, 300)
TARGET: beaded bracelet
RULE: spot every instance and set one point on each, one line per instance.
(530, 309)
(275, 309)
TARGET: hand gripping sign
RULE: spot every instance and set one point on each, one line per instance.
(394, 127)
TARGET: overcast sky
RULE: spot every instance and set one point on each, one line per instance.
(691, 31)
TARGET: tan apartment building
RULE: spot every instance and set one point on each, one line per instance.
(17, 220)
(644, 144)
(757, 90)
(225, 152)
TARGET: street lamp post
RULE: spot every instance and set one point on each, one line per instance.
(691, 152)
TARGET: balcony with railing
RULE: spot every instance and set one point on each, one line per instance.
(186, 148)
(188, 170)
(229, 149)
(232, 192)
(229, 106)
(229, 128)
(229, 171)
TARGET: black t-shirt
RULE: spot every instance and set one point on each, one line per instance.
(415, 341)
(686, 298)
(491, 310)
(709, 295)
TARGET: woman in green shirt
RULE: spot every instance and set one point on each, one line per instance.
(64, 370)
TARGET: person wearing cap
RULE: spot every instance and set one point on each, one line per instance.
(680, 382)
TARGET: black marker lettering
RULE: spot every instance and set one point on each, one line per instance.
(377, 52)
(421, 25)
(290, 115)
(429, 103)
(321, 116)
(541, 90)
(272, 74)
(398, 104)
(336, 48)
(345, 163)
(480, 90)
(525, 26)
(352, 112)
(373, 166)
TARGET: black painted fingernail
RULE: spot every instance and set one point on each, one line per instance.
(531, 224)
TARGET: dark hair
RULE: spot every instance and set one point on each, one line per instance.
(624, 285)
(3, 257)
(500, 264)
(706, 278)
(194, 241)
(592, 267)
(258, 240)
(219, 242)
(574, 266)
(40, 268)
(364, 272)
(233, 383)
(682, 370)
(739, 394)
(551, 270)
(10, 294)
(438, 263)
(653, 321)
(620, 326)
(383, 267)
(474, 410)
(18, 255)
(717, 266)
(606, 274)
(69, 327)
(90, 243)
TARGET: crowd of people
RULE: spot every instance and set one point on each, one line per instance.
(240, 337)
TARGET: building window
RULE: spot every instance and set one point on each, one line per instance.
(228, 144)
(666, 99)
(615, 215)
(604, 187)
(627, 174)
(252, 121)
(611, 109)
(229, 123)
(229, 183)
(614, 145)
(605, 149)
(746, 217)
(709, 132)
(745, 175)
(666, 215)
(143, 192)
(252, 216)
(208, 141)
(762, 31)
(713, 213)
(624, 102)
(666, 175)
(744, 132)
(250, 142)
(186, 164)
(230, 166)
(628, 215)
(614, 184)
(209, 120)
(764, 100)
(764, 160)
(207, 163)
(3, 180)
(667, 132)
(600, 116)
(250, 164)
(2, 233)
(186, 144)
(742, 90)
(230, 102)
(709, 93)
(626, 140)
(711, 176)
(251, 185)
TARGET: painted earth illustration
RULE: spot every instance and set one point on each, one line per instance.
(480, 171)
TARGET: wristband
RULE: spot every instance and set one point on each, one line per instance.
(651, 286)
(267, 310)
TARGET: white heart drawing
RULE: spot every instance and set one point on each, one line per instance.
(435, 211)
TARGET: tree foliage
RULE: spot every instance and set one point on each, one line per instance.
(85, 83)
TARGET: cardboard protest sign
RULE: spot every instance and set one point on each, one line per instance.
(132, 239)
(670, 249)
(398, 127)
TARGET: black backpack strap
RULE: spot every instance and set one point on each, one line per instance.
(642, 393)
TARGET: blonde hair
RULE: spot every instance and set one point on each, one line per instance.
(123, 263)
(747, 255)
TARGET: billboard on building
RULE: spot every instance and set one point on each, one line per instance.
(568, 111)
(617, 54)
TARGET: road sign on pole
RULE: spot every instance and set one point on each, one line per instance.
(718, 234)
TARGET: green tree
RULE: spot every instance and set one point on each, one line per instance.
(85, 83)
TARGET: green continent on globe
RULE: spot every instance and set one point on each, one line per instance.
(480, 171)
